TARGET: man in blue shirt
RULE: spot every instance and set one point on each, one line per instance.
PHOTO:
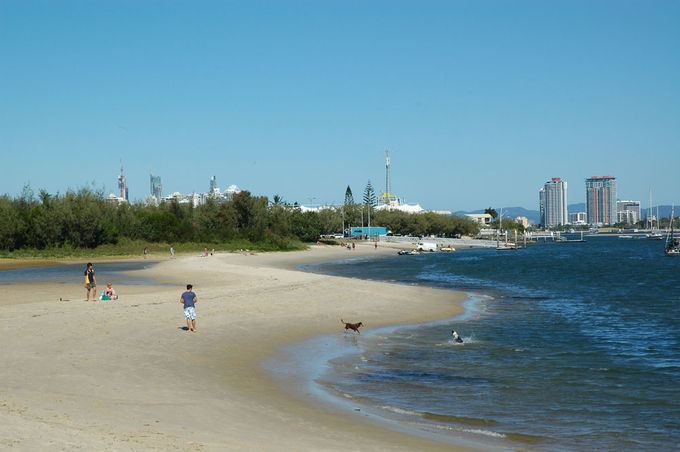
(189, 299)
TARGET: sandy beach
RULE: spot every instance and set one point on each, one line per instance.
(124, 376)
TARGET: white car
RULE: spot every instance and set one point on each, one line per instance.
(426, 246)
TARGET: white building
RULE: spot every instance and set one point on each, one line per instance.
(113, 199)
(553, 203)
(628, 212)
(408, 208)
(484, 219)
(578, 218)
(524, 221)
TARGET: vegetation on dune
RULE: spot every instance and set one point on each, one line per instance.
(83, 223)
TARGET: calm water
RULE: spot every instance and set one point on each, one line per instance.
(73, 273)
(568, 346)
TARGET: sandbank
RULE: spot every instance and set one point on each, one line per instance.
(124, 376)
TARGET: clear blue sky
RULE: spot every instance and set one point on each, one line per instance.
(479, 102)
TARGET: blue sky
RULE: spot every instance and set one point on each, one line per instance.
(479, 102)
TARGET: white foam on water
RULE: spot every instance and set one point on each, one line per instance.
(400, 411)
(476, 431)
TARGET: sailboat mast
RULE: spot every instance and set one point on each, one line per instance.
(649, 209)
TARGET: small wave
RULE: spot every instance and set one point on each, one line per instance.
(400, 411)
(520, 437)
(451, 419)
(475, 431)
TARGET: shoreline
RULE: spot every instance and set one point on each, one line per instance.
(128, 359)
(303, 376)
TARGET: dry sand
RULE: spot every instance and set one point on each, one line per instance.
(124, 376)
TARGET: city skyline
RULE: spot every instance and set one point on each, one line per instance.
(478, 104)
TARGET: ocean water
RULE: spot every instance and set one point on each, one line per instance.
(567, 346)
(117, 272)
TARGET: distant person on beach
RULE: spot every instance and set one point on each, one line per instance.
(376, 245)
(205, 252)
(172, 252)
(189, 299)
(90, 282)
(353, 246)
(146, 252)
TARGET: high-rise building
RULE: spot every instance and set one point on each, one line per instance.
(628, 212)
(601, 200)
(214, 189)
(156, 187)
(553, 203)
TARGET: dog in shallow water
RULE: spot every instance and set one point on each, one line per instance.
(456, 337)
(352, 326)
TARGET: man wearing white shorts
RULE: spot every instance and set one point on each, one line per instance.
(189, 299)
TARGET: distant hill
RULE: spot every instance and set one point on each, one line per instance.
(664, 212)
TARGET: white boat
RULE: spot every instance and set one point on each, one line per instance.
(407, 252)
(672, 243)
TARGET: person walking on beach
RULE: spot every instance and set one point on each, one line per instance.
(90, 282)
(189, 299)
(172, 252)
(146, 252)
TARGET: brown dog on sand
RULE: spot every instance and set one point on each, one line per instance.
(352, 326)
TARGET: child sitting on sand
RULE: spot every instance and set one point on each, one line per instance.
(109, 293)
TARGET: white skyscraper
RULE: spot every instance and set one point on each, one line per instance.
(553, 203)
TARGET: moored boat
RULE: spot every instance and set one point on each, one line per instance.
(672, 242)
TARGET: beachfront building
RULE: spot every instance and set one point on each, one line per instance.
(553, 203)
(483, 219)
(524, 221)
(627, 212)
(578, 218)
(408, 208)
(113, 199)
(601, 200)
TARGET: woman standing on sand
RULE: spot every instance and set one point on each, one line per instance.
(90, 282)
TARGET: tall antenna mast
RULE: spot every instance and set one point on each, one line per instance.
(122, 183)
(388, 185)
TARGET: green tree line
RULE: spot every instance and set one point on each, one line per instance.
(84, 219)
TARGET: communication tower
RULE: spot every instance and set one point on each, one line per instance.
(122, 184)
(388, 198)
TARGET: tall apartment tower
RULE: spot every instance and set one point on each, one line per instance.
(553, 203)
(156, 187)
(213, 186)
(601, 199)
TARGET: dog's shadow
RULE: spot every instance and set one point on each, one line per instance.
(183, 328)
